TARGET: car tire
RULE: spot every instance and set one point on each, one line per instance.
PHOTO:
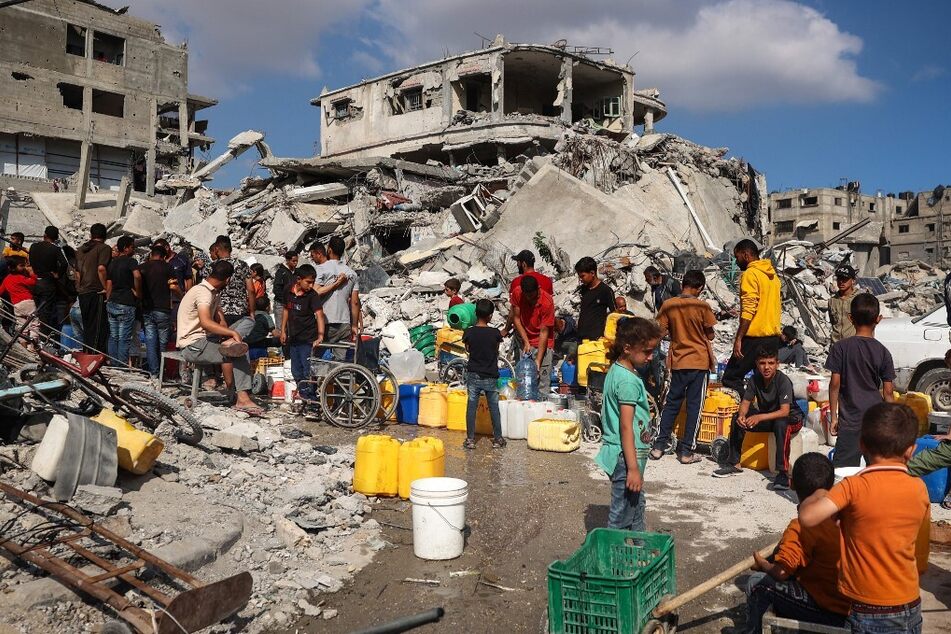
(936, 383)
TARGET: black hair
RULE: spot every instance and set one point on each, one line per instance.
(318, 247)
(18, 234)
(337, 245)
(124, 242)
(812, 472)
(888, 430)
(262, 303)
(586, 265)
(484, 309)
(293, 253)
(453, 284)
(222, 270)
(633, 331)
(652, 271)
(14, 261)
(767, 352)
(790, 332)
(864, 309)
(223, 243)
(746, 246)
(97, 231)
(51, 232)
(305, 272)
(258, 268)
(528, 284)
(695, 279)
(158, 249)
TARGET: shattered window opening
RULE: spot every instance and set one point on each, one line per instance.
(21, 76)
(108, 48)
(76, 40)
(413, 100)
(72, 95)
(785, 226)
(341, 108)
(898, 209)
(902, 228)
(836, 226)
(785, 203)
(838, 202)
(809, 201)
(930, 227)
(871, 208)
(608, 108)
(108, 103)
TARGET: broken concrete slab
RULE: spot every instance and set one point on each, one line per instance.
(236, 147)
(205, 231)
(98, 500)
(122, 198)
(225, 439)
(144, 222)
(285, 232)
(318, 192)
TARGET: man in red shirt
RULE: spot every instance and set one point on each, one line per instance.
(525, 261)
(534, 319)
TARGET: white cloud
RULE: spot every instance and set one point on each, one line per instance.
(929, 72)
(232, 42)
(702, 54)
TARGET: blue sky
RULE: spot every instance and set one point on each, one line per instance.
(810, 92)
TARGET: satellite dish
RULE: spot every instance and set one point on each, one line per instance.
(562, 44)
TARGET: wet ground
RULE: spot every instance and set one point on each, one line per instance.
(527, 508)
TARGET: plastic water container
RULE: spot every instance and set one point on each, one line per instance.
(395, 337)
(610, 325)
(547, 434)
(590, 352)
(458, 401)
(755, 453)
(525, 414)
(484, 417)
(805, 441)
(446, 336)
(408, 366)
(803, 405)
(376, 468)
(407, 409)
(50, 451)
(526, 379)
(569, 373)
(920, 404)
(137, 449)
(433, 406)
(439, 517)
(422, 457)
(936, 481)
(939, 422)
(461, 316)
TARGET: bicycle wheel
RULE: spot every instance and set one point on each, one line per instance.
(152, 408)
(350, 396)
(454, 371)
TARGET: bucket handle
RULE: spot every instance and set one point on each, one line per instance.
(451, 525)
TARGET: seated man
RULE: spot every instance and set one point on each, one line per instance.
(801, 581)
(201, 322)
(775, 411)
(792, 350)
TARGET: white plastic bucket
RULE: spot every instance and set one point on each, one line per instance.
(845, 472)
(48, 454)
(439, 517)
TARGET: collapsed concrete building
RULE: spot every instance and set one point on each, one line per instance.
(94, 92)
(497, 102)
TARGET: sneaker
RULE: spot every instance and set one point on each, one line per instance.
(468, 444)
(498, 443)
(781, 483)
(726, 472)
(233, 349)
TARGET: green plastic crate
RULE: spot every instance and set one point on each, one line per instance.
(611, 584)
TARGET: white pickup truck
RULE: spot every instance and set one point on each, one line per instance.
(918, 345)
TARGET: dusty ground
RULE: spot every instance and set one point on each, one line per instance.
(528, 508)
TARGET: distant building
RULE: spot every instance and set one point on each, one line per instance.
(919, 229)
(75, 71)
(492, 103)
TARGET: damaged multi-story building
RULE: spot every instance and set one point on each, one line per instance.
(92, 91)
(919, 227)
(489, 104)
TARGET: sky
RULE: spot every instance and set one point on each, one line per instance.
(812, 93)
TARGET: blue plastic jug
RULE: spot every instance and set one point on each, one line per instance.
(936, 481)
(526, 377)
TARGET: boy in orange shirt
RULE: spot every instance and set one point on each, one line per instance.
(801, 581)
(881, 511)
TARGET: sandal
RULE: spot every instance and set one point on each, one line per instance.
(251, 410)
(689, 459)
(655, 454)
(946, 502)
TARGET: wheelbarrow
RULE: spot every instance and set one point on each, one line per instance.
(664, 617)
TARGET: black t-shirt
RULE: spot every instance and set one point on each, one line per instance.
(596, 303)
(120, 272)
(483, 345)
(301, 317)
(46, 258)
(155, 292)
(769, 398)
(863, 363)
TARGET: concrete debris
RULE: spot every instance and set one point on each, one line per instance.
(98, 500)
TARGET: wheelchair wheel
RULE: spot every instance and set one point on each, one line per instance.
(350, 396)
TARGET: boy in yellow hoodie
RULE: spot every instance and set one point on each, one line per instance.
(760, 308)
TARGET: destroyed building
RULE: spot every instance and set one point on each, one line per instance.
(498, 101)
(93, 91)
(918, 231)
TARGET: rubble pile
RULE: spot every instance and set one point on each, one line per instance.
(257, 496)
